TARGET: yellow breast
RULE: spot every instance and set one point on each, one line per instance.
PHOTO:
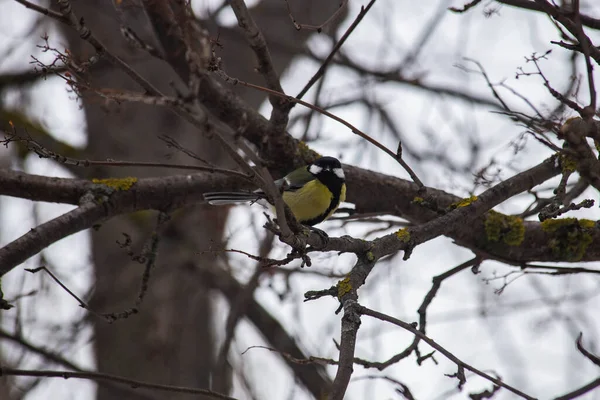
(312, 201)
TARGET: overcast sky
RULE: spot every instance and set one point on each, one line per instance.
(528, 336)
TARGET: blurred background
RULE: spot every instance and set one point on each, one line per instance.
(409, 72)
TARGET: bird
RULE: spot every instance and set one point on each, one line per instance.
(312, 192)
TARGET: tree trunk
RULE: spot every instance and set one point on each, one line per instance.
(170, 341)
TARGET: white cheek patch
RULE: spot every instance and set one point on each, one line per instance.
(315, 169)
(339, 173)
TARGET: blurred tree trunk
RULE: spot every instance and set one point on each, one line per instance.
(171, 340)
(5, 385)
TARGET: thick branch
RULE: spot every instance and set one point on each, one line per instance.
(394, 197)
(152, 193)
(52, 231)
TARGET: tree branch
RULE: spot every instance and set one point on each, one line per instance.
(98, 376)
(461, 364)
(176, 191)
(258, 43)
(313, 376)
(60, 360)
(588, 21)
(50, 232)
(580, 391)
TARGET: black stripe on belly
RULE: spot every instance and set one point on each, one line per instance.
(336, 190)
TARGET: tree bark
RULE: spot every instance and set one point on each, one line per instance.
(171, 339)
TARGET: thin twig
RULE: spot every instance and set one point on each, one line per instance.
(581, 391)
(43, 152)
(562, 18)
(58, 359)
(171, 142)
(354, 129)
(588, 21)
(82, 303)
(197, 117)
(317, 28)
(258, 43)
(237, 309)
(461, 364)
(590, 356)
(150, 261)
(43, 10)
(338, 45)
(465, 8)
(585, 46)
(292, 359)
(99, 376)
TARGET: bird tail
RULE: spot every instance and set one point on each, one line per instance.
(223, 198)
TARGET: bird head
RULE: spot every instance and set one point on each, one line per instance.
(326, 168)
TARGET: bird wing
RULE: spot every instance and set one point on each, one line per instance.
(291, 182)
(295, 179)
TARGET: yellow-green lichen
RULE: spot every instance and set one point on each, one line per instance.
(506, 228)
(553, 225)
(418, 200)
(567, 163)
(344, 286)
(403, 234)
(117, 183)
(370, 256)
(587, 223)
(463, 202)
(306, 153)
(569, 237)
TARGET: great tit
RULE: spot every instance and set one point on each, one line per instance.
(312, 192)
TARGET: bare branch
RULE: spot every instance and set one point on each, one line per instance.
(588, 21)
(321, 71)
(43, 152)
(318, 28)
(60, 360)
(149, 257)
(314, 378)
(592, 357)
(461, 364)
(565, 20)
(258, 43)
(466, 7)
(44, 11)
(44, 235)
(350, 325)
(580, 391)
(395, 155)
(98, 376)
